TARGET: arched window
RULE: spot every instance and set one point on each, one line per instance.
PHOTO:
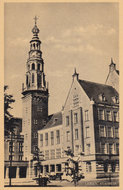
(32, 77)
(34, 46)
(37, 45)
(28, 67)
(26, 79)
(38, 66)
(33, 66)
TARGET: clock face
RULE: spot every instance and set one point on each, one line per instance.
(35, 54)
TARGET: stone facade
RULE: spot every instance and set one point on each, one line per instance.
(90, 128)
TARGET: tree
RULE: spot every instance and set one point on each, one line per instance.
(38, 157)
(72, 168)
(8, 118)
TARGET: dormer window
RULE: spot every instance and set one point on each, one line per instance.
(102, 98)
(55, 120)
(115, 99)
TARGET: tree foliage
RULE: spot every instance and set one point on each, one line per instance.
(8, 121)
(72, 168)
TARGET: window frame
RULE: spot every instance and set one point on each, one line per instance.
(76, 134)
(86, 115)
(76, 118)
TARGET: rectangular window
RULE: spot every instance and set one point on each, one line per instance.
(88, 167)
(35, 135)
(103, 148)
(110, 148)
(76, 134)
(46, 139)
(101, 114)
(77, 148)
(88, 148)
(35, 122)
(39, 109)
(52, 154)
(46, 154)
(11, 157)
(20, 157)
(41, 140)
(115, 116)
(67, 120)
(109, 132)
(32, 77)
(108, 115)
(75, 118)
(20, 147)
(86, 115)
(58, 153)
(116, 132)
(117, 148)
(44, 122)
(52, 138)
(87, 131)
(102, 131)
(57, 137)
(68, 136)
(11, 147)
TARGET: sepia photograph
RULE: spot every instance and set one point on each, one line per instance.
(61, 94)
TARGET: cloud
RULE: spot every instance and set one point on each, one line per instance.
(79, 39)
(111, 31)
(69, 48)
(15, 76)
(89, 31)
(57, 73)
(18, 41)
(90, 48)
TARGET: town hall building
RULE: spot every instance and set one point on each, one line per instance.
(87, 124)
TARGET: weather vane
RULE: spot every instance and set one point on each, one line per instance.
(35, 18)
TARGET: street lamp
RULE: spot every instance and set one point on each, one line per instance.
(11, 151)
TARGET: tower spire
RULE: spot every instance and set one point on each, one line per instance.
(35, 29)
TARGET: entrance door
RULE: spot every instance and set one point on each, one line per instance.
(22, 172)
(12, 172)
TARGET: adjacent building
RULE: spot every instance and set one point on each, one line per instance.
(14, 165)
(89, 127)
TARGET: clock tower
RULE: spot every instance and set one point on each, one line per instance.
(35, 95)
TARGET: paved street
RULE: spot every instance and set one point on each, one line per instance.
(57, 183)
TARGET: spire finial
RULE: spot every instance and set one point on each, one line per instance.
(112, 60)
(75, 73)
(75, 70)
(35, 18)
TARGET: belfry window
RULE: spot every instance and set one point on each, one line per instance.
(33, 66)
(27, 79)
(38, 66)
(32, 77)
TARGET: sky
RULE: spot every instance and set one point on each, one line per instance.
(73, 35)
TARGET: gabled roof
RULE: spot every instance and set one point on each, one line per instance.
(93, 90)
(56, 119)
